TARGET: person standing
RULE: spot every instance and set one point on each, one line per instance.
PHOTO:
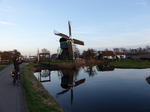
(16, 63)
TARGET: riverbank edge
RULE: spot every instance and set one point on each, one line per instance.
(38, 98)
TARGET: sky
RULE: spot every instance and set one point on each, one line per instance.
(28, 25)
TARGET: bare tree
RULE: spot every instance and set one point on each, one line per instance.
(45, 55)
(116, 49)
(90, 53)
(139, 50)
(16, 53)
(76, 51)
(106, 49)
(147, 49)
(45, 51)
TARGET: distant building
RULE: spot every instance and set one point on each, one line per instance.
(108, 54)
(32, 58)
(53, 56)
(120, 55)
(44, 56)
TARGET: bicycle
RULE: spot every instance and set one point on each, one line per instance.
(16, 77)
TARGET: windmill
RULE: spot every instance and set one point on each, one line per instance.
(66, 42)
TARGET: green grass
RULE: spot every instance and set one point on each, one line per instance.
(31, 64)
(57, 62)
(38, 98)
(65, 64)
(128, 63)
(2, 67)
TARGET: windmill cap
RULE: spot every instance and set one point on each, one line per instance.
(62, 39)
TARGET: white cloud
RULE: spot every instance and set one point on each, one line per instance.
(8, 8)
(11, 8)
(7, 23)
(141, 3)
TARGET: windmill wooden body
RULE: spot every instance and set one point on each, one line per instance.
(66, 43)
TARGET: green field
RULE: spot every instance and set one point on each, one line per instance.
(129, 63)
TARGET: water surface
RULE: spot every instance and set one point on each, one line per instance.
(93, 90)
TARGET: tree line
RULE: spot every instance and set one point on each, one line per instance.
(145, 50)
(89, 53)
(9, 55)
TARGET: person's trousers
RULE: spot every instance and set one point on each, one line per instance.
(16, 76)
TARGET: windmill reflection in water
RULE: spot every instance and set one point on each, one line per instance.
(68, 82)
(44, 74)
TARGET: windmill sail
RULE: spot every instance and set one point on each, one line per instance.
(69, 28)
(75, 41)
(60, 34)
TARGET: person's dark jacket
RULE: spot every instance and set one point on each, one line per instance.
(16, 65)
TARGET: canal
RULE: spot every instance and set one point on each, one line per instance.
(93, 89)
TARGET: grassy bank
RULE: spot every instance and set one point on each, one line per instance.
(74, 64)
(55, 62)
(65, 64)
(38, 98)
(129, 63)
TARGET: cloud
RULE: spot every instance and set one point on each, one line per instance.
(11, 8)
(7, 23)
(141, 3)
(8, 8)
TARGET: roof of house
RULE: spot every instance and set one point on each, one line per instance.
(119, 53)
(108, 53)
